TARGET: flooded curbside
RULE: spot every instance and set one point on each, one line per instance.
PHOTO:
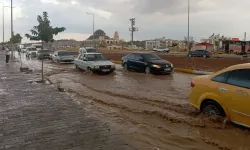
(190, 71)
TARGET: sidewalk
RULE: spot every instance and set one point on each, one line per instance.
(38, 117)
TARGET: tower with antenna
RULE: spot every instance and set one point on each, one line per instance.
(132, 29)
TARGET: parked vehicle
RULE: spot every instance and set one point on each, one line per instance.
(45, 54)
(31, 52)
(95, 62)
(147, 62)
(63, 57)
(87, 50)
(199, 53)
(225, 93)
(37, 46)
(166, 50)
(23, 50)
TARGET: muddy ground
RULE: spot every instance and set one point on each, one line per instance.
(179, 61)
(151, 111)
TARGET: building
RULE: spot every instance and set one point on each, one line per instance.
(216, 40)
(100, 39)
(164, 43)
(156, 43)
(66, 43)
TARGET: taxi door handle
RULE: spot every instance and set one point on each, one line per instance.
(223, 89)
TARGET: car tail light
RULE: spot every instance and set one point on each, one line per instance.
(192, 85)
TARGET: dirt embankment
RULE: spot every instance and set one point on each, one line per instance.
(203, 64)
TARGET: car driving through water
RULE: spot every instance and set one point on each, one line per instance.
(94, 62)
(31, 52)
(225, 93)
(147, 63)
(63, 57)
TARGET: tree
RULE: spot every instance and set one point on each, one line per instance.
(44, 32)
(16, 39)
(189, 42)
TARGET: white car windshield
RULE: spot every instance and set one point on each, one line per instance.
(32, 49)
(64, 54)
(91, 50)
(151, 57)
(95, 57)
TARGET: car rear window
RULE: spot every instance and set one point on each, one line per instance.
(222, 78)
(240, 78)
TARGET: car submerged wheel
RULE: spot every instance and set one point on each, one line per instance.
(125, 66)
(204, 56)
(147, 70)
(212, 109)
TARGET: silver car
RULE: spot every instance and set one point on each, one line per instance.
(31, 52)
(94, 62)
(63, 57)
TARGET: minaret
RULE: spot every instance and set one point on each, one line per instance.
(116, 36)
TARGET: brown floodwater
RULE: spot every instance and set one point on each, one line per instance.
(151, 111)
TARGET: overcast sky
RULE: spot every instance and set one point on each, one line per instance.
(154, 18)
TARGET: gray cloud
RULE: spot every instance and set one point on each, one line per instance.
(154, 18)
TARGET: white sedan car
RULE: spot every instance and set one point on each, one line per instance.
(94, 62)
(63, 57)
(166, 50)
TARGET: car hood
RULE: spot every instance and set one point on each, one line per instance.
(160, 62)
(100, 63)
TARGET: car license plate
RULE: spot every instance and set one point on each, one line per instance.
(167, 69)
(105, 70)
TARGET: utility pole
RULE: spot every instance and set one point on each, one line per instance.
(188, 25)
(3, 21)
(3, 24)
(132, 29)
(245, 36)
(12, 33)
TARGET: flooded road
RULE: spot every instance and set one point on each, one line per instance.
(152, 111)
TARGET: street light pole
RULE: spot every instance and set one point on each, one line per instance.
(3, 23)
(188, 25)
(93, 26)
(4, 20)
(12, 33)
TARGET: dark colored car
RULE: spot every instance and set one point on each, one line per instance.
(147, 63)
(199, 53)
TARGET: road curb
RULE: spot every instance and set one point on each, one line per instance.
(190, 71)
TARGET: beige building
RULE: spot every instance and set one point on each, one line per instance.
(164, 43)
(100, 39)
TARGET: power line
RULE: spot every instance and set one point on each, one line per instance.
(132, 29)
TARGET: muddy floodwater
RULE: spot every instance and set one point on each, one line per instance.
(152, 112)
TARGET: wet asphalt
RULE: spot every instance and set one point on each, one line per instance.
(152, 110)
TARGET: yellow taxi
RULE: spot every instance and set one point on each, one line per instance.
(225, 93)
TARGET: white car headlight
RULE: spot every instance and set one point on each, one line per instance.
(156, 66)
